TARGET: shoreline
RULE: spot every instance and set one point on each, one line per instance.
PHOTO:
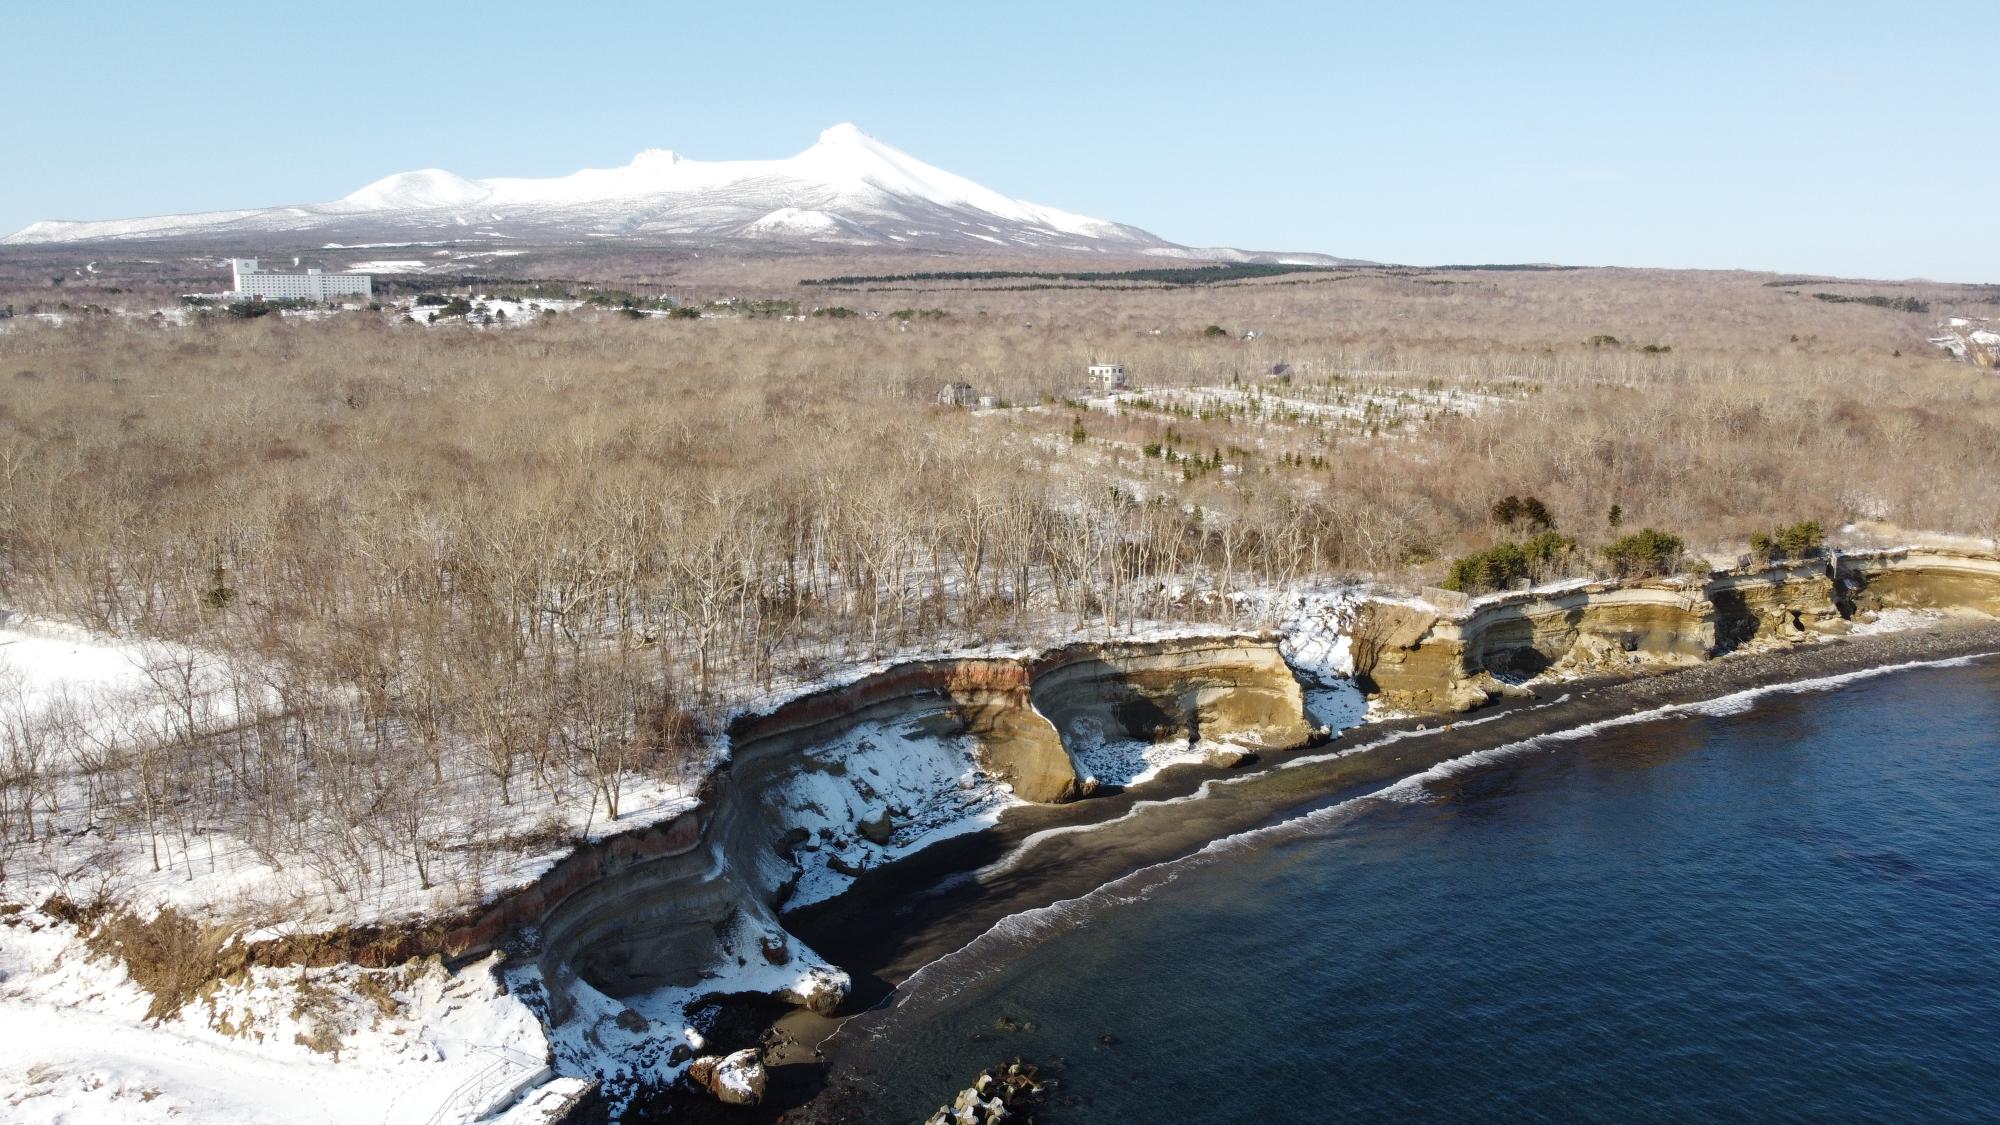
(899, 918)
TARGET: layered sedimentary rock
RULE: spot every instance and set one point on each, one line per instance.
(1423, 660)
(1426, 659)
(1221, 690)
(708, 890)
(988, 699)
(1918, 578)
(1777, 603)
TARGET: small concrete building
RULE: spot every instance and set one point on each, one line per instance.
(957, 394)
(255, 283)
(1110, 376)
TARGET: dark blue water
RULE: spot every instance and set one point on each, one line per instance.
(1787, 914)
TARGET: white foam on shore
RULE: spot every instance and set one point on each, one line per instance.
(987, 954)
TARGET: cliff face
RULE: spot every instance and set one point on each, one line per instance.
(1918, 578)
(660, 907)
(1226, 690)
(1426, 660)
(661, 910)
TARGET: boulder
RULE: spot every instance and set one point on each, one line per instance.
(736, 1079)
(998, 1095)
(1229, 757)
(632, 1021)
(1466, 695)
(820, 990)
(792, 841)
(775, 949)
(878, 828)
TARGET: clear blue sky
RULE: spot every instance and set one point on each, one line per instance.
(1853, 139)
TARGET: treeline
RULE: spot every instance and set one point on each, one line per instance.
(1172, 276)
(1876, 300)
(1513, 267)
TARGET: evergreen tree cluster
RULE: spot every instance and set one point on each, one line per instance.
(1800, 540)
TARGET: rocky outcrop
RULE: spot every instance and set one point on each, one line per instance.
(1229, 757)
(1420, 660)
(1776, 604)
(736, 1079)
(629, 919)
(1918, 578)
(999, 1094)
(1424, 659)
(1233, 690)
(986, 699)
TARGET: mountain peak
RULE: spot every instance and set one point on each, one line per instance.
(845, 133)
(428, 187)
(845, 148)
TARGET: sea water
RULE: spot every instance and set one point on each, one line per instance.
(1784, 909)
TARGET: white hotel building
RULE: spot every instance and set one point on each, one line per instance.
(310, 285)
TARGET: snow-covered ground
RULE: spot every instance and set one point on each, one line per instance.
(503, 311)
(1283, 404)
(928, 786)
(1129, 761)
(45, 664)
(340, 1045)
(388, 265)
(105, 692)
(648, 1039)
(1973, 339)
(1896, 621)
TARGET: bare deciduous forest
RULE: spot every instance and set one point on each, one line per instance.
(441, 568)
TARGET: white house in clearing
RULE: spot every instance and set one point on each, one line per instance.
(253, 282)
(1110, 376)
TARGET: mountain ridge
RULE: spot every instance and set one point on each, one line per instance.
(848, 190)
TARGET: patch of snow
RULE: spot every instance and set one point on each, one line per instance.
(389, 265)
(416, 1044)
(930, 786)
(601, 1039)
(1129, 761)
(108, 691)
(1897, 621)
(1558, 586)
(1318, 630)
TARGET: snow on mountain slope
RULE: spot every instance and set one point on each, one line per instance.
(432, 187)
(849, 189)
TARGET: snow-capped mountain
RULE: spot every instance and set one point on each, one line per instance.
(848, 190)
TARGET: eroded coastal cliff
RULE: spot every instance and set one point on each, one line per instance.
(1426, 657)
(662, 909)
(829, 784)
